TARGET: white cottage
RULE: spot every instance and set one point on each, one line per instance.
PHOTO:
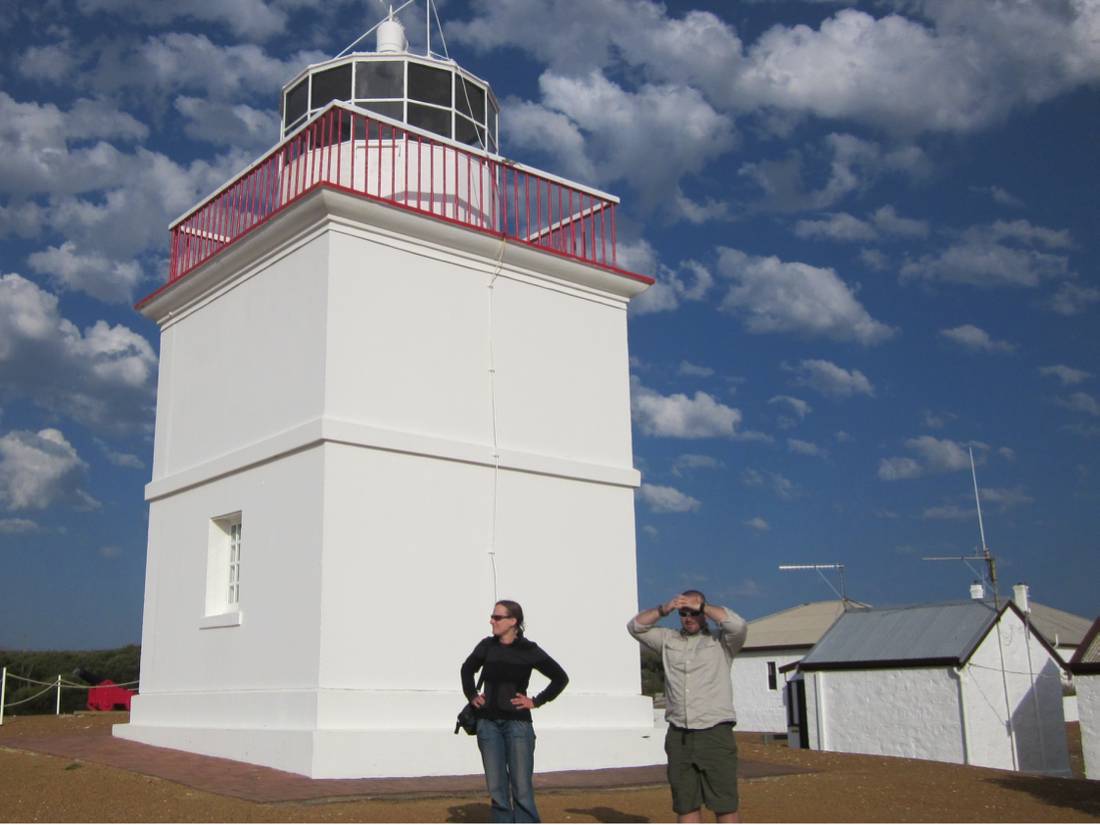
(774, 643)
(956, 682)
(1085, 666)
(393, 389)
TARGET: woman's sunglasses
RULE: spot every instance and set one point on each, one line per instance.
(496, 618)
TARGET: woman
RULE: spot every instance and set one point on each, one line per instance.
(505, 735)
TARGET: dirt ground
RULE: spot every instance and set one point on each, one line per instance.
(839, 788)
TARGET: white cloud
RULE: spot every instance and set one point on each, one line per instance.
(16, 526)
(37, 156)
(995, 255)
(687, 368)
(40, 469)
(246, 18)
(777, 296)
(874, 259)
(887, 220)
(950, 512)
(1006, 498)
(935, 455)
(680, 416)
(1080, 402)
(1000, 195)
(102, 377)
(837, 226)
(690, 282)
(797, 445)
(589, 126)
(110, 551)
(667, 499)
(781, 486)
(796, 405)
(940, 454)
(898, 467)
(1067, 375)
(831, 380)
(53, 62)
(226, 124)
(1073, 299)
(854, 164)
(956, 68)
(120, 459)
(975, 338)
(758, 523)
(1007, 453)
(109, 281)
(693, 461)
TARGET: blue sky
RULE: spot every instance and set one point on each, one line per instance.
(873, 225)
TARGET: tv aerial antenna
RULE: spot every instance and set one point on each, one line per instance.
(842, 594)
(983, 554)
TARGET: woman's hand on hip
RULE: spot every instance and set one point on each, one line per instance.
(521, 702)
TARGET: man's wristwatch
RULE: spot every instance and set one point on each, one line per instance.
(661, 610)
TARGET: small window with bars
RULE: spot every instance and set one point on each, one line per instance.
(223, 572)
(234, 594)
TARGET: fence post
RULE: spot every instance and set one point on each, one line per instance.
(58, 711)
(3, 690)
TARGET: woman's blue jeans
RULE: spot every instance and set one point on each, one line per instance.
(508, 754)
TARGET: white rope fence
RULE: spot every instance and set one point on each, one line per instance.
(56, 684)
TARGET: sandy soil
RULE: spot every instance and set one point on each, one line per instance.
(841, 788)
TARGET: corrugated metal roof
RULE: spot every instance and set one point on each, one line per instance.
(1089, 653)
(903, 634)
(800, 626)
(1058, 626)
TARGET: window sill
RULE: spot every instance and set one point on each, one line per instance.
(231, 619)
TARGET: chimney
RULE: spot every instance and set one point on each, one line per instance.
(1019, 595)
(977, 591)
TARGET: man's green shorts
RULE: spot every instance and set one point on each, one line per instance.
(702, 768)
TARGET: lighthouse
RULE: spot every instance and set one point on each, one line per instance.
(393, 389)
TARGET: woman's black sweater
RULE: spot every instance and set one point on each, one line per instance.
(507, 671)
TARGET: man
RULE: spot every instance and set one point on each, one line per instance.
(702, 753)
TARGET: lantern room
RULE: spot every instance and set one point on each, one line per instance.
(428, 92)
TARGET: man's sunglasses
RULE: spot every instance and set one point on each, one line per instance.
(496, 618)
(687, 611)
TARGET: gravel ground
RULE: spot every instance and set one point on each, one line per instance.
(841, 788)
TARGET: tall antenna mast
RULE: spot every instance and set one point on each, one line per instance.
(842, 593)
(983, 555)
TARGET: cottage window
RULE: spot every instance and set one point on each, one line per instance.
(773, 679)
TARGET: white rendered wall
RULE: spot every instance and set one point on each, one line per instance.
(336, 391)
(1038, 741)
(916, 712)
(758, 707)
(1088, 707)
(911, 712)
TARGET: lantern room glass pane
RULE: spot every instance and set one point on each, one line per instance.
(469, 99)
(331, 84)
(380, 78)
(394, 110)
(429, 84)
(430, 118)
(467, 132)
(296, 101)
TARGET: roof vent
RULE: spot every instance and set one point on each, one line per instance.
(391, 36)
(977, 591)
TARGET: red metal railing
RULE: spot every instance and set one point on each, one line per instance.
(350, 150)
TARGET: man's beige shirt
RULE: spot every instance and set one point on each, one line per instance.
(697, 670)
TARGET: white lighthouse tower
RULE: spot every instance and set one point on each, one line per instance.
(393, 389)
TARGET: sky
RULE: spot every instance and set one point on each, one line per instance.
(873, 228)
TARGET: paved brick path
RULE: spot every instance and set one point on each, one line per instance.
(259, 784)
